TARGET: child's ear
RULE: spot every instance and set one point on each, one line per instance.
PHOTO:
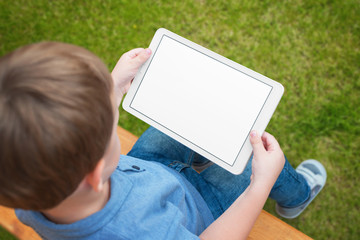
(94, 178)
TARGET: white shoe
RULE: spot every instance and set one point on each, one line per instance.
(315, 175)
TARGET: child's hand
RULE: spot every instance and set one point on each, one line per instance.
(267, 163)
(268, 159)
(126, 69)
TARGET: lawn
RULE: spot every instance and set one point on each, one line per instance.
(311, 47)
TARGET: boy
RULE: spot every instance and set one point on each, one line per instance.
(60, 154)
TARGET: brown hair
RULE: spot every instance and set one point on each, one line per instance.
(56, 119)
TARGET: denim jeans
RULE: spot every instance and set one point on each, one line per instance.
(218, 187)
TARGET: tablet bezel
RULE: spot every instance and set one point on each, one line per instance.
(259, 125)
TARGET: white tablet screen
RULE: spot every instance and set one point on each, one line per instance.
(200, 99)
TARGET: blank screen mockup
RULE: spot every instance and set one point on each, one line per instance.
(202, 100)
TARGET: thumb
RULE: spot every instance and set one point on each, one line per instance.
(256, 143)
(141, 57)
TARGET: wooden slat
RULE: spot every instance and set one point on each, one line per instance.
(127, 140)
(266, 226)
(9, 221)
(270, 227)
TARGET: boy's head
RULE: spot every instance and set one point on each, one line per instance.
(56, 119)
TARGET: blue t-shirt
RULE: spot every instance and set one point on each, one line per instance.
(148, 201)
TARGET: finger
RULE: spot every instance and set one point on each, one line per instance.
(134, 52)
(270, 142)
(142, 56)
(126, 88)
(256, 143)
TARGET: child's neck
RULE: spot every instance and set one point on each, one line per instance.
(79, 205)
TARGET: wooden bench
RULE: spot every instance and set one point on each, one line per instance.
(266, 226)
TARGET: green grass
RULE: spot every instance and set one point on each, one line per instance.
(4, 235)
(311, 47)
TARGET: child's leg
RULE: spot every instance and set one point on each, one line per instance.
(218, 187)
(289, 190)
(156, 146)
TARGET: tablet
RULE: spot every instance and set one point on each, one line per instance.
(202, 99)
